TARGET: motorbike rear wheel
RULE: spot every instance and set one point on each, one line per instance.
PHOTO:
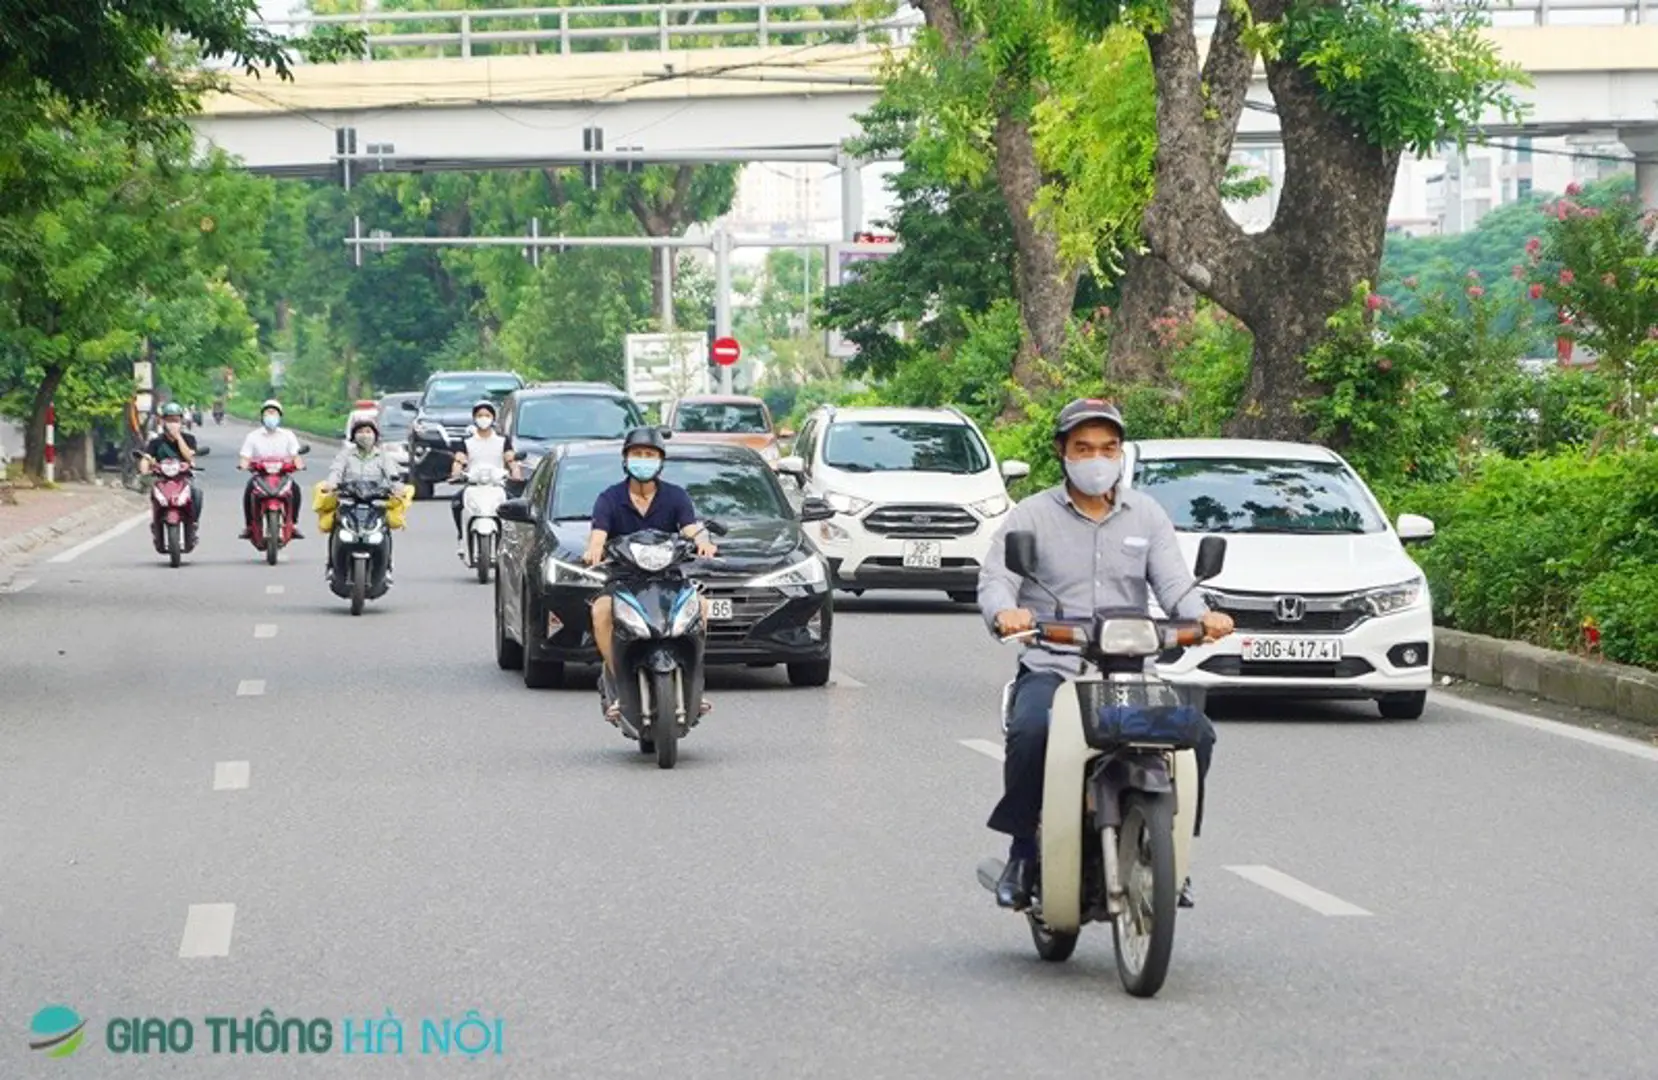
(1143, 934)
(359, 585)
(665, 728)
(173, 543)
(273, 535)
(483, 551)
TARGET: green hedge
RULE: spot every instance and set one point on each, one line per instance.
(1529, 549)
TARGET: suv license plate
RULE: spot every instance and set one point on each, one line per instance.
(1324, 650)
(923, 555)
(719, 610)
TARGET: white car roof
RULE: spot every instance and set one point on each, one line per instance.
(1248, 449)
(881, 415)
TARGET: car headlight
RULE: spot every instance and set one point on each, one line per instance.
(558, 572)
(651, 557)
(1401, 597)
(687, 613)
(770, 453)
(845, 504)
(991, 507)
(628, 614)
(808, 571)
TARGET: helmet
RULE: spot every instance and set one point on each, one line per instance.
(485, 403)
(645, 436)
(271, 404)
(1083, 410)
(364, 422)
(172, 408)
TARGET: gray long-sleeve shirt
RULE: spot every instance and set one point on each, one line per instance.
(1089, 565)
(352, 464)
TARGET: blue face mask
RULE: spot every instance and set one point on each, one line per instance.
(271, 422)
(644, 469)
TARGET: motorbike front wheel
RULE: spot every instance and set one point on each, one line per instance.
(273, 535)
(483, 549)
(665, 728)
(1054, 946)
(173, 543)
(1143, 933)
(359, 584)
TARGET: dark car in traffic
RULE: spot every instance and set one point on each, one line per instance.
(768, 586)
(543, 415)
(443, 417)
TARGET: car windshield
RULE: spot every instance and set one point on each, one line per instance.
(867, 446)
(461, 391)
(727, 490)
(1224, 495)
(575, 416)
(723, 418)
(393, 420)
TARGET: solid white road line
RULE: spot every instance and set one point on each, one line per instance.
(985, 747)
(1292, 889)
(840, 678)
(81, 549)
(274, 590)
(1552, 727)
(250, 688)
(21, 585)
(264, 630)
(230, 775)
(207, 930)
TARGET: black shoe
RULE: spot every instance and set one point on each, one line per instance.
(245, 534)
(1013, 890)
(1186, 894)
(297, 534)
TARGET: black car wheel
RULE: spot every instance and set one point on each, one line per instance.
(538, 674)
(809, 673)
(509, 654)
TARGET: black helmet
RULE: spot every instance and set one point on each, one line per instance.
(645, 436)
(364, 422)
(485, 403)
(1083, 410)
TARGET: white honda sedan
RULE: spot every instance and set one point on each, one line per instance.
(1326, 601)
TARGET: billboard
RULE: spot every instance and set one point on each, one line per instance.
(666, 367)
(846, 262)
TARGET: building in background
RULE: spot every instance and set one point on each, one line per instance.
(785, 201)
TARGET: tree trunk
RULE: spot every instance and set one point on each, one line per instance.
(34, 436)
(1151, 291)
(662, 219)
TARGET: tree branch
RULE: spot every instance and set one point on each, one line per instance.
(1228, 72)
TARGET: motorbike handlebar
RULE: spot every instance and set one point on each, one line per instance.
(1175, 633)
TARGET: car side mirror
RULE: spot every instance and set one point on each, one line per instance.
(304, 448)
(411, 406)
(1211, 557)
(514, 510)
(1019, 552)
(816, 510)
(203, 451)
(1015, 470)
(792, 466)
(1415, 529)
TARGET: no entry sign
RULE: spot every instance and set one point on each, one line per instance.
(725, 351)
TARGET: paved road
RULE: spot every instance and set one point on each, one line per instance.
(419, 832)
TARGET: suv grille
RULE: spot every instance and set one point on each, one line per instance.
(921, 521)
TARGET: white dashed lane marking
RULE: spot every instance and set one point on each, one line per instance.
(275, 590)
(985, 747)
(230, 775)
(207, 929)
(250, 688)
(1294, 889)
(264, 630)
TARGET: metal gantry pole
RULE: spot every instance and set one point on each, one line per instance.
(722, 298)
(667, 289)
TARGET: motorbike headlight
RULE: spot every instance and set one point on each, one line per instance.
(628, 614)
(558, 572)
(652, 557)
(346, 535)
(374, 537)
(686, 614)
(994, 506)
(1394, 598)
(808, 571)
(845, 504)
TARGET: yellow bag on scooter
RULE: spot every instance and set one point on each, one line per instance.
(397, 507)
(324, 503)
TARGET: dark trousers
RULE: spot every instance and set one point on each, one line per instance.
(455, 505)
(1020, 812)
(249, 506)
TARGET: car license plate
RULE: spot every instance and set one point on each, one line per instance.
(1292, 648)
(719, 610)
(923, 555)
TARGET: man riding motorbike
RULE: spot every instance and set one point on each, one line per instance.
(270, 440)
(363, 458)
(637, 504)
(1100, 546)
(175, 442)
(485, 448)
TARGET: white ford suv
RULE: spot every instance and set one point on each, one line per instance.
(1327, 604)
(917, 496)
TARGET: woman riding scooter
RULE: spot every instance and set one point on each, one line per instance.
(363, 458)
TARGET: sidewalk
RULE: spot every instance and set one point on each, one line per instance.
(42, 515)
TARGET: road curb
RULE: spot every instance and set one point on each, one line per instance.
(123, 505)
(1629, 693)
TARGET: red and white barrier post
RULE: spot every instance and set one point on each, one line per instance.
(51, 442)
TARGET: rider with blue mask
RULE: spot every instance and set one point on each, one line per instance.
(642, 502)
(269, 440)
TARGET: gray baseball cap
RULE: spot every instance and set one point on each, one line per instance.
(1082, 410)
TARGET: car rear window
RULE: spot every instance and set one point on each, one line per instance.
(721, 417)
(575, 416)
(1240, 495)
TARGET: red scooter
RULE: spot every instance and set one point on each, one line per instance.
(273, 516)
(173, 521)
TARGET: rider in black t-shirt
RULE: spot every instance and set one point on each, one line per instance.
(175, 442)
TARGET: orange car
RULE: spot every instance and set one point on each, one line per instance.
(722, 418)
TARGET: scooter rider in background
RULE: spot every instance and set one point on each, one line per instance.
(270, 440)
(363, 458)
(486, 447)
(637, 504)
(1101, 546)
(175, 442)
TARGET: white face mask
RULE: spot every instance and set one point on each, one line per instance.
(365, 440)
(1094, 476)
(484, 422)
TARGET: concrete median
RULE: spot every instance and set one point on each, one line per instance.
(1626, 692)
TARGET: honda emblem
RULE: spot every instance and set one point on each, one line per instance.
(1291, 608)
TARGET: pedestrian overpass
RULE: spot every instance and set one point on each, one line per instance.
(522, 87)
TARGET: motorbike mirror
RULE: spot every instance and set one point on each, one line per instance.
(1211, 557)
(816, 510)
(1019, 551)
(514, 510)
(304, 448)
(715, 527)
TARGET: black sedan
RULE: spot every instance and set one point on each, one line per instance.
(768, 586)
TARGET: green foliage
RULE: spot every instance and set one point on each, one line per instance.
(1406, 77)
(1623, 605)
